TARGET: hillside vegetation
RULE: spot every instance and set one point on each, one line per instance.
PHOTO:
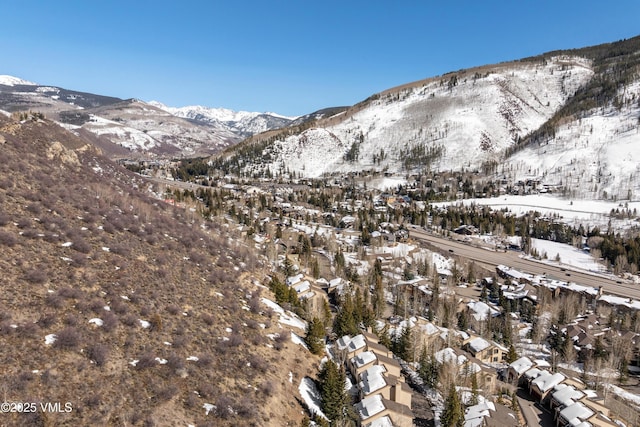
(133, 311)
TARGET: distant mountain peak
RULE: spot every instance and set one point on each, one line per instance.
(14, 81)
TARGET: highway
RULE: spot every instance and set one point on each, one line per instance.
(613, 286)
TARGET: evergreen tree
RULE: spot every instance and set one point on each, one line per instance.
(403, 345)
(345, 321)
(332, 391)
(514, 403)
(453, 414)
(474, 389)
(428, 370)
(512, 355)
(315, 336)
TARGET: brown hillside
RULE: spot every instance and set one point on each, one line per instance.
(82, 239)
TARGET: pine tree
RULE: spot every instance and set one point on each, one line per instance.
(403, 345)
(332, 391)
(453, 414)
(512, 355)
(474, 389)
(315, 336)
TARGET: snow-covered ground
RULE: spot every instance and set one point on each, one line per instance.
(467, 117)
(311, 396)
(586, 212)
(567, 254)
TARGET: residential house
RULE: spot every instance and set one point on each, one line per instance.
(544, 383)
(485, 351)
(517, 368)
(376, 407)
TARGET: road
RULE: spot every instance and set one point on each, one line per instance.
(512, 259)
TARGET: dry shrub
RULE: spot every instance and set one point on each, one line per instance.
(224, 407)
(258, 363)
(70, 293)
(98, 353)
(147, 360)
(207, 319)
(27, 330)
(68, 339)
(109, 321)
(47, 320)
(173, 309)
(54, 300)
(37, 276)
(81, 246)
(8, 239)
(130, 320)
(4, 219)
(268, 388)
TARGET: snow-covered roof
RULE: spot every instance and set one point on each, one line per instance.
(547, 380)
(363, 359)
(302, 287)
(533, 373)
(521, 365)
(447, 355)
(380, 422)
(481, 310)
(429, 328)
(357, 343)
(292, 280)
(478, 344)
(343, 342)
(369, 406)
(576, 413)
(372, 379)
(474, 415)
(627, 302)
(567, 395)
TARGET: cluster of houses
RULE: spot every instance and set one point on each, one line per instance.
(383, 398)
(568, 399)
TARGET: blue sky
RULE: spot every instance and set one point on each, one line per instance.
(289, 57)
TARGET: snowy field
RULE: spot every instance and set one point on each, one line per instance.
(586, 212)
(568, 255)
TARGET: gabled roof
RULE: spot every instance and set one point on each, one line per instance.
(521, 365)
(343, 342)
(356, 343)
(476, 345)
(546, 381)
(576, 413)
(369, 406)
(380, 422)
(372, 379)
(567, 395)
(363, 359)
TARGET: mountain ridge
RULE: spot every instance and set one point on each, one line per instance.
(475, 119)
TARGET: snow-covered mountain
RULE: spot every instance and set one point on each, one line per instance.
(458, 120)
(567, 119)
(13, 81)
(133, 128)
(243, 123)
(596, 156)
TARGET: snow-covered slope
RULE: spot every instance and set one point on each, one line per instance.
(13, 81)
(596, 156)
(459, 120)
(243, 123)
(141, 127)
(135, 128)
